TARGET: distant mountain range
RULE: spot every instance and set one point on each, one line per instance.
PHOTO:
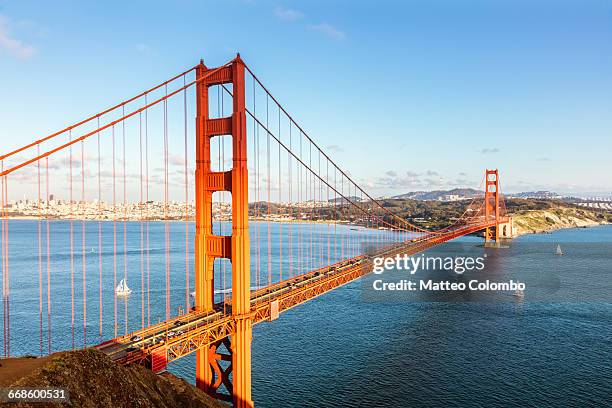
(455, 194)
(458, 194)
(340, 200)
(536, 194)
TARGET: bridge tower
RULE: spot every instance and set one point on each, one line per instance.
(492, 204)
(210, 374)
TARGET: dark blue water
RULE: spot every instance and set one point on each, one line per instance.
(342, 350)
(303, 247)
(553, 348)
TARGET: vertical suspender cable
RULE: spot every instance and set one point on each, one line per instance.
(254, 176)
(166, 225)
(6, 272)
(48, 253)
(140, 208)
(146, 112)
(328, 216)
(2, 257)
(186, 199)
(125, 253)
(290, 204)
(268, 200)
(83, 244)
(114, 235)
(256, 206)
(311, 192)
(335, 215)
(3, 237)
(320, 241)
(40, 275)
(100, 314)
(280, 202)
(258, 209)
(299, 203)
(8, 276)
(72, 216)
(341, 208)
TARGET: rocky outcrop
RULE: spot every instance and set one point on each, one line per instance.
(94, 381)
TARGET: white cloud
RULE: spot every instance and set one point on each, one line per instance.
(489, 150)
(287, 14)
(329, 30)
(176, 160)
(14, 46)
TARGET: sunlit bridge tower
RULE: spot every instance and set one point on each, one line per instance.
(235, 373)
(492, 212)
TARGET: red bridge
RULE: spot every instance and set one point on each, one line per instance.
(277, 223)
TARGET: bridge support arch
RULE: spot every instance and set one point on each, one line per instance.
(209, 373)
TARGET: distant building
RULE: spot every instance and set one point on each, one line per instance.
(450, 197)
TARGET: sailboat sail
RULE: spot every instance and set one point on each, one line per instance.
(559, 252)
(122, 288)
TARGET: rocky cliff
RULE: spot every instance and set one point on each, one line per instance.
(536, 221)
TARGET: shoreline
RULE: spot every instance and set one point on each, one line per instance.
(527, 222)
(550, 231)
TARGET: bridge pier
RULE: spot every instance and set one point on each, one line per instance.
(507, 229)
(241, 362)
(504, 232)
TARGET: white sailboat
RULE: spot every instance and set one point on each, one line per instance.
(559, 251)
(122, 289)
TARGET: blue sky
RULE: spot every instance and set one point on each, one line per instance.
(405, 95)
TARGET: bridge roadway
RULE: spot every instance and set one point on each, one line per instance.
(159, 344)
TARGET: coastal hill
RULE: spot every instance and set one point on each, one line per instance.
(537, 221)
(94, 381)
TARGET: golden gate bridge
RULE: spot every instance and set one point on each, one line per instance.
(278, 236)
